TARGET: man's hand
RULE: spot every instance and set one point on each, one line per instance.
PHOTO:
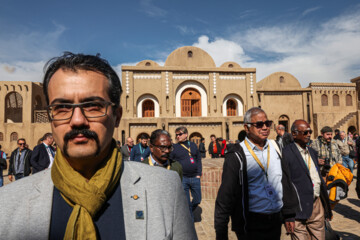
(321, 161)
(290, 226)
(197, 176)
(350, 143)
(10, 178)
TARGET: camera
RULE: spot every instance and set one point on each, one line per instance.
(327, 164)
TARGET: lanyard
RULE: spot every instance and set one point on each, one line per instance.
(141, 150)
(257, 159)
(187, 148)
(309, 161)
(151, 164)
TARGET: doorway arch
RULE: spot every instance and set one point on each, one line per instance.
(284, 120)
(196, 138)
(190, 103)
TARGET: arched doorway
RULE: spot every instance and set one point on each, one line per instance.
(231, 108)
(191, 103)
(13, 108)
(138, 137)
(148, 108)
(196, 138)
(351, 129)
(284, 120)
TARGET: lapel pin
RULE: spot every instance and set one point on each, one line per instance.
(135, 197)
(139, 214)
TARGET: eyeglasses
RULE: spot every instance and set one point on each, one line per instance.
(164, 148)
(179, 134)
(306, 132)
(267, 123)
(65, 111)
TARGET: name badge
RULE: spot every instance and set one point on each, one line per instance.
(142, 159)
(192, 160)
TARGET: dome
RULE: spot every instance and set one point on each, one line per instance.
(278, 81)
(190, 57)
(230, 65)
(147, 63)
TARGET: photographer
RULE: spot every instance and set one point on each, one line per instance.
(328, 150)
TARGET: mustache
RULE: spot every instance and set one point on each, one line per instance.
(86, 133)
(165, 155)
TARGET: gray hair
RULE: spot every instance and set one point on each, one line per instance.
(252, 112)
(182, 129)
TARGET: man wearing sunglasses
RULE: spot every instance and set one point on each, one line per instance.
(161, 147)
(43, 154)
(90, 192)
(305, 174)
(255, 186)
(19, 163)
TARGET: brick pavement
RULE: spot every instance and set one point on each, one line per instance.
(346, 220)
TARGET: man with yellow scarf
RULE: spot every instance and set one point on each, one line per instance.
(90, 193)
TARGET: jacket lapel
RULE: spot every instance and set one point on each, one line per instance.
(40, 207)
(134, 203)
(300, 159)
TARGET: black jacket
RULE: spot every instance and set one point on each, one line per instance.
(40, 159)
(233, 200)
(300, 176)
(27, 169)
(202, 150)
(211, 149)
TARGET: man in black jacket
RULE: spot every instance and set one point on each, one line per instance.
(43, 154)
(305, 174)
(19, 163)
(255, 186)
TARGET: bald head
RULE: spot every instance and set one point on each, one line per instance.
(130, 141)
(301, 132)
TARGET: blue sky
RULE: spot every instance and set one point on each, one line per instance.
(316, 41)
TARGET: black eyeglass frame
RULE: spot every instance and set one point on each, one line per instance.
(267, 123)
(164, 148)
(306, 132)
(79, 105)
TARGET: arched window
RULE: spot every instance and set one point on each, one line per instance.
(324, 100)
(148, 109)
(284, 120)
(1, 137)
(190, 103)
(13, 107)
(349, 100)
(196, 138)
(336, 100)
(13, 137)
(231, 107)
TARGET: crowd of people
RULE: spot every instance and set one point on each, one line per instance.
(88, 186)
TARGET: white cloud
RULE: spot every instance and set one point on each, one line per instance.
(184, 30)
(310, 10)
(328, 53)
(22, 71)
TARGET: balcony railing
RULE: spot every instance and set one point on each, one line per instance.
(41, 116)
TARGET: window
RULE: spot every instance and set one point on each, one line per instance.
(190, 54)
(190, 103)
(336, 100)
(148, 108)
(324, 100)
(231, 65)
(147, 64)
(349, 100)
(282, 79)
(13, 137)
(1, 137)
(13, 107)
(231, 107)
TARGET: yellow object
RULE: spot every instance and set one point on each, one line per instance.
(85, 196)
(339, 176)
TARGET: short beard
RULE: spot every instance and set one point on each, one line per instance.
(86, 133)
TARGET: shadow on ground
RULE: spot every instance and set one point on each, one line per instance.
(347, 212)
(348, 236)
(197, 214)
(354, 201)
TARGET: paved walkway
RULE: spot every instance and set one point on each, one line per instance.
(346, 220)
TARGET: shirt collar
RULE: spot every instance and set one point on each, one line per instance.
(155, 163)
(304, 151)
(253, 146)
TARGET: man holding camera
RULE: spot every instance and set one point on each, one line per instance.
(328, 150)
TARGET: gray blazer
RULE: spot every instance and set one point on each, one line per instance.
(27, 212)
(125, 152)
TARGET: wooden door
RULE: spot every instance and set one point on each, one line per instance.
(190, 103)
(148, 109)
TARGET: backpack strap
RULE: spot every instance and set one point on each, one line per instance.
(276, 146)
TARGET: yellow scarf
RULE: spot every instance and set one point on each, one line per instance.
(86, 197)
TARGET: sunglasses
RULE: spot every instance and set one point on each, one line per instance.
(306, 132)
(267, 123)
(22, 144)
(178, 134)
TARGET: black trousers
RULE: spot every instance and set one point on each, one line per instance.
(262, 227)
